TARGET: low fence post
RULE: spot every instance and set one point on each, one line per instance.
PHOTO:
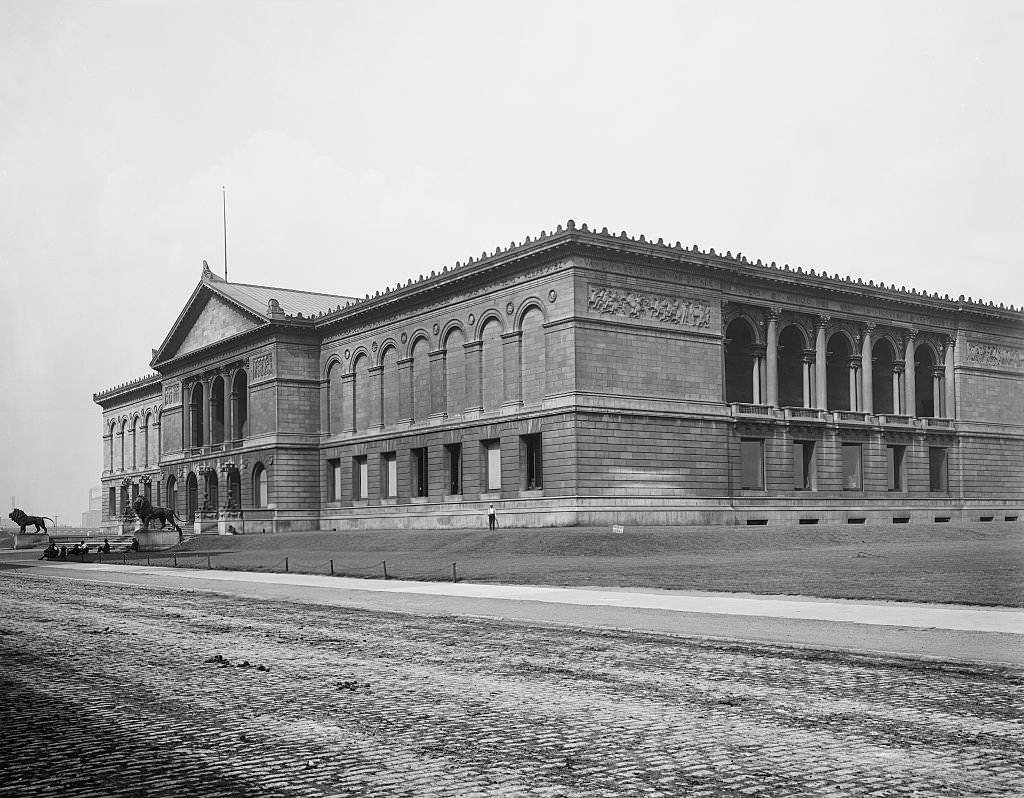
(332, 567)
(385, 565)
(455, 578)
(286, 565)
(147, 560)
(208, 566)
(175, 560)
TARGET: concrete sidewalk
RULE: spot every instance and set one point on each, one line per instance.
(955, 632)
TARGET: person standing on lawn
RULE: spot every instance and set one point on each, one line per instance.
(492, 519)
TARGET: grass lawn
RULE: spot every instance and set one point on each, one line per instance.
(980, 563)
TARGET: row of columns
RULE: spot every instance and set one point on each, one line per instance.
(208, 410)
(861, 385)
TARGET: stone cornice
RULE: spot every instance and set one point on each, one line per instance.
(581, 240)
(127, 389)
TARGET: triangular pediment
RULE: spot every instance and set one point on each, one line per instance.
(207, 318)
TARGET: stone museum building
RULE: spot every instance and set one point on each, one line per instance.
(576, 378)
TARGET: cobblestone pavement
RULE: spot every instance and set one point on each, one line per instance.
(118, 691)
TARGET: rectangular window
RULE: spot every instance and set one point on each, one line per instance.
(852, 473)
(533, 462)
(894, 466)
(360, 477)
(419, 472)
(453, 453)
(803, 465)
(752, 456)
(112, 503)
(389, 474)
(492, 464)
(938, 469)
(334, 480)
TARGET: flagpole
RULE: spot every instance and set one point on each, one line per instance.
(224, 197)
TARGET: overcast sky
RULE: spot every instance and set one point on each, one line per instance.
(363, 143)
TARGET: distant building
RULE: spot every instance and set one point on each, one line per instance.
(574, 379)
(93, 518)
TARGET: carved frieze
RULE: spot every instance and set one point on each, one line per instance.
(261, 366)
(647, 306)
(1004, 358)
(172, 394)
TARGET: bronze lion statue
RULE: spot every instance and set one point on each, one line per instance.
(147, 512)
(23, 519)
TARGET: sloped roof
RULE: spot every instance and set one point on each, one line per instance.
(256, 297)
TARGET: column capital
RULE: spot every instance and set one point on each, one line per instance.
(949, 342)
(774, 314)
(807, 356)
(911, 333)
(758, 350)
(854, 362)
(821, 322)
(868, 328)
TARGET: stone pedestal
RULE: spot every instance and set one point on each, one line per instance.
(156, 539)
(31, 541)
(230, 523)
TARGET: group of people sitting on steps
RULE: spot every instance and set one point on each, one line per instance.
(51, 552)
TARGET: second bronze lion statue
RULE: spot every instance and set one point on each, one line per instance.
(23, 519)
(147, 512)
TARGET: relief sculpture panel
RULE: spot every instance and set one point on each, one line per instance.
(1005, 358)
(646, 306)
(261, 366)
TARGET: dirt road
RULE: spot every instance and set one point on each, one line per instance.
(112, 690)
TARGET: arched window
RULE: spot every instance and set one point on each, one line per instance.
(195, 410)
(135, 443)
(335, 400)
(883, 358)
(191, 497)
(217, 411)
(111, 464)
(493, 366)
(533, 362)
(392, 391)
(838, 372)
(455, 372)
(420, 380)
(240, 406)
(739, 362)
(259, 486)
(362, 391)
(120, 442)
(172, 493)
(146, 432)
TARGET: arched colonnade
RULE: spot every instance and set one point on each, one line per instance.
(784, 360)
